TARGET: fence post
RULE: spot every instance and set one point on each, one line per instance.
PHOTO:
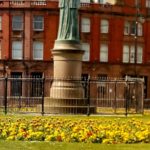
(115, 97)
(126, 98)
(88, 96)
(43, 90)
(5, 95)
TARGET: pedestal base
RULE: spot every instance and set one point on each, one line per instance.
(67, 106)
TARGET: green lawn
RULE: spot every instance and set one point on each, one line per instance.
(13, 145)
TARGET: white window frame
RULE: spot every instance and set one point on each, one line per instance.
(139, 29)
(86, 48)
(139, 54)
(132, 54)
(104, 52)
(38, 52)
(137, 3)
(101, 1)
(17, 50)
(85, 25)
(133, 27)
(104, 26)
(17, 23)
(127, 28)
(0, 23)
(0, 50)
(147, 3)
(129, 54)
(35, 22)
(126, 54)
(85, 1)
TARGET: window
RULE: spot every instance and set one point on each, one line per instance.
(0, 23)
(17, 50)
(16, 84)
(127, 28)
(38, 23)
(102, 86)
(36, 85)
(0, 50)
(85, 25)
(129, 54)
(38, 50)
(104, 26)
(148, 3)
(86, 48)
(85, 1)
(139, 29)
(102, 1)
(104, 53)
(132, 54)
(138, 3)
(17, 23)
(84, 83)
(139, 54)
(131, 27)
(125, 53)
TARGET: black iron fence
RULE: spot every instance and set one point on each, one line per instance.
(71, 96)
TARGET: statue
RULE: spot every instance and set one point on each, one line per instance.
(68, 21)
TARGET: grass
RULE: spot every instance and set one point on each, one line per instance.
(15, 145)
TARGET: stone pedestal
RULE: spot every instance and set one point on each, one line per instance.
(66, 92)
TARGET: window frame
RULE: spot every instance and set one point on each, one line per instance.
(36, 84)
(41, 50)
(85, 25)
(0, 23)
(139, 29)
(35, 22)
(147, 4)
(102, 86)
(86, 47)
(139, 56)
(133, 28)
(17, 22)
(85, 1)
(103, 52)
(104, 26)
(17, 49)
(127, 28)
(16, 84)
(131, 54)
(0, 49)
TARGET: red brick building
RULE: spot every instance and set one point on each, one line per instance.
(115, 38)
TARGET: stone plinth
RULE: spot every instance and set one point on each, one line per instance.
(66, 92)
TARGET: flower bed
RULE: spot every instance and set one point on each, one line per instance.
(70, 130)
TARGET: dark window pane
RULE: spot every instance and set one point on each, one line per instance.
(16, 84)
(36, 84)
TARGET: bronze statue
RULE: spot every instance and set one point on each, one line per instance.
(68, 21)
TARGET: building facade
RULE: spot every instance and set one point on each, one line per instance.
(115, 38)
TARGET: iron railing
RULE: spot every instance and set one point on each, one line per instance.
(82, 96)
